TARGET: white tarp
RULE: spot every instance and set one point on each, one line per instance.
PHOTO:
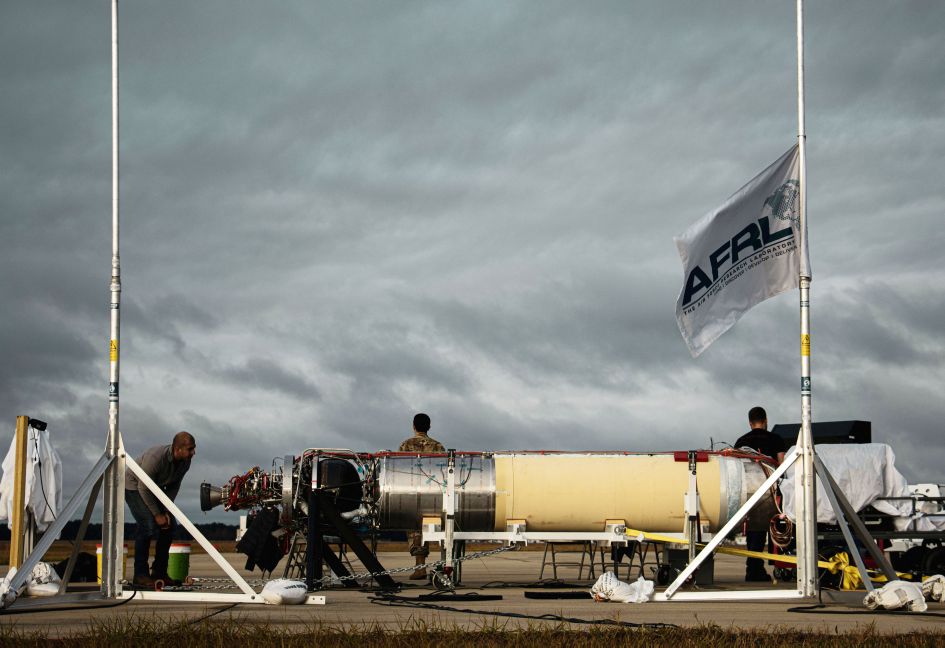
(864, 472)
(43, 479)
(741, 254)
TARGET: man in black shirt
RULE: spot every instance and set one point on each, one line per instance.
(759, 439)
(767, 443)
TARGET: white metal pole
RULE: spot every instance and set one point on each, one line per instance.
(807, 580)
(449, 512)
(114, 483)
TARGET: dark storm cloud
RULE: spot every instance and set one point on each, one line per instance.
(877, 324)
(580, 326)
(265, 374)
(337, 214)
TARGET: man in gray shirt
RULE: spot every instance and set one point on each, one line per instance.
(166, 465)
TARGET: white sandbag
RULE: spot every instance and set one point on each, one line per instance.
(44, 573)
(609, 588)
(43, 581)
(933, 588)
(283, 591)
(897, 595)
(41, 589)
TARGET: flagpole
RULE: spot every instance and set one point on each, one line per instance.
(113, 514)
(806, 513)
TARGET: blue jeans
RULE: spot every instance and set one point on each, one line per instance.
(145, 529)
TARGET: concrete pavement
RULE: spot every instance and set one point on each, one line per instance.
(516, 571)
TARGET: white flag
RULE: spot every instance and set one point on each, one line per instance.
(741, 254)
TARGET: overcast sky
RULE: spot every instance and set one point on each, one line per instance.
(337, 214)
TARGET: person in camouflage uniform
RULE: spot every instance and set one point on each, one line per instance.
(420, 442)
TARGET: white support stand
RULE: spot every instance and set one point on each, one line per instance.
(88, 489)
(726, 530)
(449, 510)
(691, 502)
(210, 597)
(92, 479)
(845, 516)
(187, 524)
(516, 534)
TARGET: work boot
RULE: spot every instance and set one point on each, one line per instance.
(142, 580)
(420, 573)
(760, 577)
(168, 581)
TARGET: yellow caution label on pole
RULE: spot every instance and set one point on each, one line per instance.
(113, 351)
(805, 344)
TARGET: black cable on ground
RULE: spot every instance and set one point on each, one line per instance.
(377, 589)
(69, 608)
(820, 608)
(214, 613)
(516, 615)
(446, 596)
(569, 594)
(550, 584)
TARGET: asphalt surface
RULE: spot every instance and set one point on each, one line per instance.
(508, 575)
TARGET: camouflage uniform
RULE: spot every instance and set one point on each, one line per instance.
(421, 443)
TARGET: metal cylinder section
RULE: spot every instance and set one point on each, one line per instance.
(580, 492)
(409, 488)
(562, 492)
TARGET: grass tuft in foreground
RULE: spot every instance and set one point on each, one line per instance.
(130, 631)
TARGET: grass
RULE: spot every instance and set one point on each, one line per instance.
(130, 631)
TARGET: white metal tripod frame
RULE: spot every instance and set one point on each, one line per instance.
(850, 518)
(821, 472)
(187, 524)
(248, 596)
(80, 535)
(843, 511)
(723, 533)
(83, 492)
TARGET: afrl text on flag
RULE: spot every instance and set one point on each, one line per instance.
(740, 254)
(756, 240)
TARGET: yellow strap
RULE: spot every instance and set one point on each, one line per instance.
(840, 562)
(834, 566)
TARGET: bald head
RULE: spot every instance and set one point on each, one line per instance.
(184, 446)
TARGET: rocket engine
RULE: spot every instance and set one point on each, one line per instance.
(549, 491)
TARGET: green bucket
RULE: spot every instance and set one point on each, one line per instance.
(178, 561)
